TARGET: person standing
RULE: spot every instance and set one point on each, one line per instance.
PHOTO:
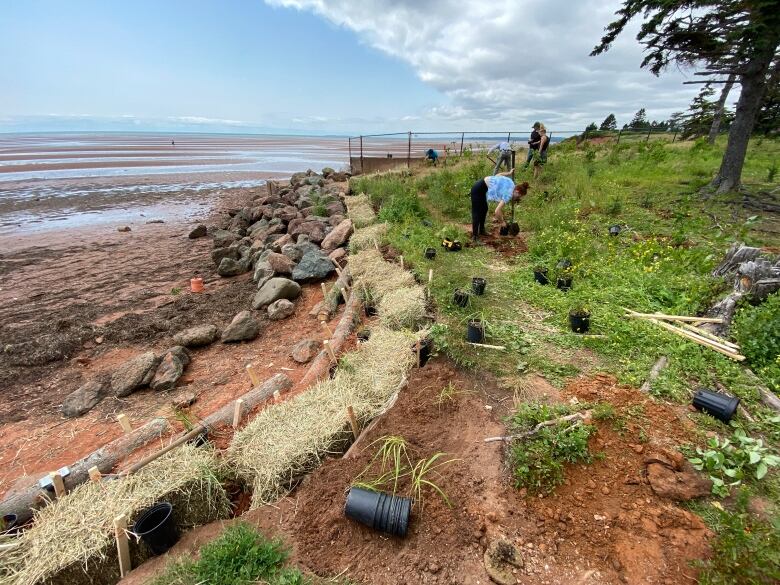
(504, 150)
(541, 159)
(498, 188)
(533, 143)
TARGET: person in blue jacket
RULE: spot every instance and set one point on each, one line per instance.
(498, 188)
(432, 156)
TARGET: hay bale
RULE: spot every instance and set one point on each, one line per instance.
(374, 277)
(287, 440)
(72, 540)
(367, 237)
(403, 308)
(360, 211)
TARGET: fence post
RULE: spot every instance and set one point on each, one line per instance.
(462, 135)
(351, 170)
(361, 154)
(409, 151)
(619, 133)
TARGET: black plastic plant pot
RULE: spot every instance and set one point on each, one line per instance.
(721, 406)
(370, 310)
(460, 297)
(380, 511)
(9, 522)
(503, 231)
(156, 528)
(426, 347)
(540, 276)
(563, 283)
(476, 331)
(563, 263)
(363, 334)
(478, 285)
(579, 323)
(430, 253)
(513, 228)
(614, 230)
(199, 440)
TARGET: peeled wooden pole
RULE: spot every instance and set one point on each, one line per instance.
(331, 298)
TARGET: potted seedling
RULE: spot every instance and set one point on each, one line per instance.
(478, 285)
(475, 332)
(564, 280)
(540, 275)
(579, 319)
(430, 253)
(460, 297)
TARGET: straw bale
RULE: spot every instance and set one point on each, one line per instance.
(287, 440)
(403, 308)
(359, 210)
(374, 277)
(368, 237)
(72, 540)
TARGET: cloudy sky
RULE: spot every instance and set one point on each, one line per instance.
(338, 66)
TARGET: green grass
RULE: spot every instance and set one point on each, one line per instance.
(240, 556)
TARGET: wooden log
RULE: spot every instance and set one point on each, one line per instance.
(122, 545)
(22, 500)
(655, 371)
(330, 301)
(124, 422)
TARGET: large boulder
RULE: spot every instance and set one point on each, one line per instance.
(134, 373)
(336, 208)
(338, 236)
(223, 238)
(171, 368)
(275, 289)
(197, 336)
(280, 263)
(82, 400)
(198, 232)
(293, 252)
(218, 254)
(286, 213)
(230, 267)
(314, 227)
(281, 241)
(327, 172)
(313, 266)
(263, 272)
(305, 350)
(280, 309)
(243, 327)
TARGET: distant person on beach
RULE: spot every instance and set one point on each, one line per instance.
(504, 155)
(432, 156)
(533, 143)
(498, 188)
(541, 158)
(173, 143)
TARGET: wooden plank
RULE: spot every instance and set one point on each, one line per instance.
(122, 545)
(330, 351)
(677, 317)
(124, 422)
(709, 335)
(59, 484)
(237, 413)
(486, 346)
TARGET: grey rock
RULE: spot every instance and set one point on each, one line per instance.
(313, 266)
(293, 252)
(263, 271)
(124, 228)
(197, 336)
(243, 327)
(82, 400)
(198, 231)
(180, 352)
(305, 350)
(280, 309)
(275, 289)
(313, 226)
(230, 267)
(327, 172)
(134, 373)
(218, 254)
(223, 238)
(171, 368)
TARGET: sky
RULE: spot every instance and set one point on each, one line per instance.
(321, 66)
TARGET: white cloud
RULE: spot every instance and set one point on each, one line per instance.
(502, 63)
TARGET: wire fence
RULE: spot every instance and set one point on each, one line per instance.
(375, 152)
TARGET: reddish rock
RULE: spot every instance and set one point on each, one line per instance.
(683, 485)
(338, 255)
(338, 236)
(280, 263)
(305, 350)
(315, 229)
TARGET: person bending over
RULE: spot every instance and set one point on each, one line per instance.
(432, 156)
(504, 150)
(498, 188)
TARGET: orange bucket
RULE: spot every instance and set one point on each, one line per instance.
(196, 285)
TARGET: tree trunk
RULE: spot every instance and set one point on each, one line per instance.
(720, 108)
(753, 82)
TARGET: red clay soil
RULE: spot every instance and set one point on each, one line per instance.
(604, 525)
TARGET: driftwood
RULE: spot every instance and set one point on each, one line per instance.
(577, 417)
(655, 371)
(320, 365)
(22, 501)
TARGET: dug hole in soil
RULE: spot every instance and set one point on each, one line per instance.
(604, 525)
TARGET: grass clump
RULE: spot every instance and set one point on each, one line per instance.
(371, 236)
(360, 211)
(538, 461)
(757, 329)
(240, 556)
(403, 308)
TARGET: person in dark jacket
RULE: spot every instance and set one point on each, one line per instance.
(533, 143)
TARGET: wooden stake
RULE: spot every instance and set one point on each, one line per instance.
(401, 258)
(376, 245)
(430, 276)
(277, 396)
(353, 422)
(94, 474)
(324, 290)
(250, 369)
(676, 317)
(122, 544)
(708, 335)
(329, 349)
(326, 328)
(59, 485)
(124, 422)
(417, 349)
(486, 346)
(237, 413)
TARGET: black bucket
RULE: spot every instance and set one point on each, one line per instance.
(503, 230)
(460, 297)
(540, 276)
(614, 230)
(476, 331)
(430, 253)
(370, 310)
(156, 528)
(579, 323)
(721, 406)
(380, 511)
(426, 346)
(563, 283)
(478, 285)
(199, 440)
(513, 228)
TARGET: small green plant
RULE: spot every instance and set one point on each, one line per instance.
(730, 461)
(394, 462)
(614, 206)
(757, 329)
(579, 310)
(447, 394)
(771, 172)
(419, 478)
(604, 411)
(175, 291)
